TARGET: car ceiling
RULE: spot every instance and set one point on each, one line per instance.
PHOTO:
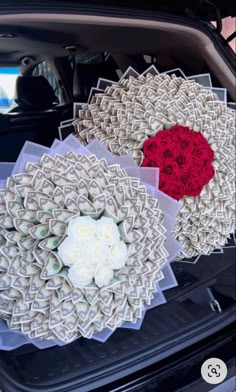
(49, 39)
(35, 41)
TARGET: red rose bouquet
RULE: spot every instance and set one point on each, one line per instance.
(184, 158)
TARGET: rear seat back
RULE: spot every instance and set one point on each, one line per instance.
(33, 93)
(34, 118)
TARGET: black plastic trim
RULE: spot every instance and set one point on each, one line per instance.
(203, 9)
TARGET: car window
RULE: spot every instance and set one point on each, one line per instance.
(8, 77)
(44, 69)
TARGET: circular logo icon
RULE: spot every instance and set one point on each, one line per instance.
(214, 371)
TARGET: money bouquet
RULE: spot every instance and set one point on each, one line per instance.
(182, 126)
(85, 244)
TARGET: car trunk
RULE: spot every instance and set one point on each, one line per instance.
(204, 301)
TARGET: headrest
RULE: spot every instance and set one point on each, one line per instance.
(34, 93)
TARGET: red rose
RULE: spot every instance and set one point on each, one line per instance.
(160, 161)
(175, 129)
(197, 153)
(181, 131)
(166, 138)
(185, 144)
(169, 169)
(208, 173)
(199, 139)
(150, 147)
(149, 162)
(164, 182)
(208, 156)
(197, 166)
(168, 154)
(186, 176)
(175, 190)
(193, 187)
(183, 161)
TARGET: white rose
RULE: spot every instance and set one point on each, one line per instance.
(81, 274)
(82, 228)
(118, 255)
(69, 252)
(103, 275)
(107, 231)
(96, 252)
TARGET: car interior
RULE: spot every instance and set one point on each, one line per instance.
(77, 61)
(79, 49)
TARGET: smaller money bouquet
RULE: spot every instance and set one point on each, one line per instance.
(85, 244)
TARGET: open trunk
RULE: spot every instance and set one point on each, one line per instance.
(204, 301)
(173, 42)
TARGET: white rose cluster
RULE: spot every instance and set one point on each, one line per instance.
(92, 250)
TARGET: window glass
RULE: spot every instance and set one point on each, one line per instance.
(7, 87)
(86, 58)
